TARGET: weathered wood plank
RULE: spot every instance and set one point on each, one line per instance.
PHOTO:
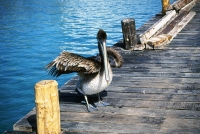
(146, 76)
(158, 40)
(144, 90)
(173, 24)
(182, 24)
(157, 85)
(139, 112)
(27, 123)
(107, 128)
(145, 96)
(110, 118)
(180, 130)
(154, 104)
(189, 6)
(160, 70)
(171, 29)
(161, 81)
(139, 103)
(177, 5)
(180, 125)
(18, 132)
(169, 123)
(158, 25)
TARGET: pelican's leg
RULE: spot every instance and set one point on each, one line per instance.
(89, 106)
(101, 103)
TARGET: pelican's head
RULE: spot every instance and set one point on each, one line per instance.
(101, 35)
(101, 38)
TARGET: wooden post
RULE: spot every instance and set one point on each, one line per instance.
(129, 33)
(165, 4)
(47, 107)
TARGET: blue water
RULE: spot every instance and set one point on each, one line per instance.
(32, 33)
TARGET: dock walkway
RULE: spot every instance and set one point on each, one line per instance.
(156, 91)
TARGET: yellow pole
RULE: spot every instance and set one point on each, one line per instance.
(47, 107)
(165, 4)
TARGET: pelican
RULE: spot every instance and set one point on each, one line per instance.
(94, 73)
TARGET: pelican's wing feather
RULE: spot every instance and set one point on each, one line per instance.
(114, 57)
(68, 62)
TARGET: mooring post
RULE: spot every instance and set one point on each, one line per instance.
(47, 107)
(165, 4)
(129, 33)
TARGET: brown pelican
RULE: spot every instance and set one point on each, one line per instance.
(94, 73)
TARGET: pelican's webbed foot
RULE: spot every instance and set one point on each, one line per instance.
(102, 104)
(90, 107)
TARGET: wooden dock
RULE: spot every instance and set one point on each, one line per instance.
(156, 91)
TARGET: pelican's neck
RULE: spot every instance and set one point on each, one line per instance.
(104, 58)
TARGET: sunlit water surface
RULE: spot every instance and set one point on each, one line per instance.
(32, 33)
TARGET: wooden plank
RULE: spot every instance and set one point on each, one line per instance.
(177, 5)
(121, 120)
(182, 5)
(151, 117)
(158, 43)
(107, 128)
(173, 23)
(27, 123)
(18, 132)
(173, 125)
(180, 130)
(156, 84)
(189, 6)
(172, 29)
(160, 74)
(182, 24)
(144, 90)
(139, 101)
(143, 95)
(157, 80)
(158, 25)
(140, 112)
(187, 78)
(160, 40)
(110, 118)
(152, 126)
(180, 61)
(153, 104)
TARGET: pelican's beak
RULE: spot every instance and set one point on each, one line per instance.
(105, 58)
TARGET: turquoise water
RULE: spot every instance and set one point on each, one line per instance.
(32, 33)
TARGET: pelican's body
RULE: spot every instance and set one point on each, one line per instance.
(94, 73)
(89, 84)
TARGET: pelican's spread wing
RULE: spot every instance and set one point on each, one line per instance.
(114, 57)
(68, 62)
